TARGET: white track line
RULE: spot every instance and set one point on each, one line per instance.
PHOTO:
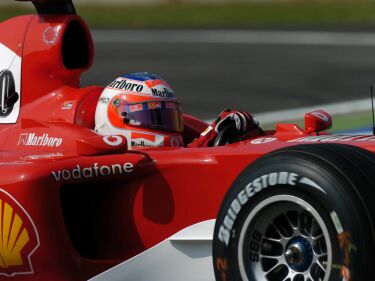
(311, 38)
(299, 113)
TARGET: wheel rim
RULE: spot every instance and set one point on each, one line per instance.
(284, 239)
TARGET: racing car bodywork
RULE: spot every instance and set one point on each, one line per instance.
(75, 205)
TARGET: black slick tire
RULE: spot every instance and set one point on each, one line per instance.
(329, 188)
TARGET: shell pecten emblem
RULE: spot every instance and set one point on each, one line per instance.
(18, 237)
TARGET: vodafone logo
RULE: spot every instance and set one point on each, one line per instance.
(263, 140)
(112, 140)
(91, 172)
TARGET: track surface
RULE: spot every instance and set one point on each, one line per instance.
(254, 71)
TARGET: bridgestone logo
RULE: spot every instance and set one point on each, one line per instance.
(94, 171)
(257, 185)
(31, 139)
(125, 85)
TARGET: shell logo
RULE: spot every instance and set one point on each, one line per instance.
(18, 237)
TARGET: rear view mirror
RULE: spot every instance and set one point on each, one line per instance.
(317, 121)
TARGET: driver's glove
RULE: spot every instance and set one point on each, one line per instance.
(242, 125)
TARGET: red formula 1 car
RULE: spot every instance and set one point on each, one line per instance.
(291, 205)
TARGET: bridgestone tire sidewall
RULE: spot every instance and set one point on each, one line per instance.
(331, 193)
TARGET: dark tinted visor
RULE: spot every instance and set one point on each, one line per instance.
(157, 115)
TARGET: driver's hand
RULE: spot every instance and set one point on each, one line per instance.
(234, 124)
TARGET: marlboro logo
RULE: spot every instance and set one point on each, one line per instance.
(123, 84)
(146, 140)
(163, 93)
(31, 139)
(19, 237)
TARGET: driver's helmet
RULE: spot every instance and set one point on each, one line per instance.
(143, 108)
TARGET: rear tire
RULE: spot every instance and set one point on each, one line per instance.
(302, 213)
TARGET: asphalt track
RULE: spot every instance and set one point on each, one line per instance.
(257, 71)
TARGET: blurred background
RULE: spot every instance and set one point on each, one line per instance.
(275, 58)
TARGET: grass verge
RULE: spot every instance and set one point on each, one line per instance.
(174, 15)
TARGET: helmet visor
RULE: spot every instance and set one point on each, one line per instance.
(158, 115)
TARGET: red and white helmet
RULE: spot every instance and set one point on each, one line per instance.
(143, 108)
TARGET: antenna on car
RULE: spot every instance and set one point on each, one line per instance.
(372, 108)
